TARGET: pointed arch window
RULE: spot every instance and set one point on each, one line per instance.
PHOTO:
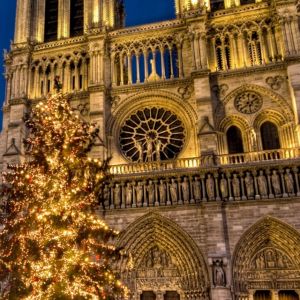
(51, 20)
(234, 140)
(77, 17)
(269, 136)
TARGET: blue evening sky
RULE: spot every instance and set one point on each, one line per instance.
(137, 12)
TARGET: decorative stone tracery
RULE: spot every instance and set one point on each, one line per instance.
(152, 134)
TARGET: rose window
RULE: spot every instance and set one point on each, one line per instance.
(152, 134)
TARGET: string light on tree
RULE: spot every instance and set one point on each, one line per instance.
(53, 245)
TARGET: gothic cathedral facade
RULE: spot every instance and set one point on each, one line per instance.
(200, 115)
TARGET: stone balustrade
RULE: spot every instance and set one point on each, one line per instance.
(206, 161)
(249, 176)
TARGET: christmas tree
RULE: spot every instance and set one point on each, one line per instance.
(52, 244)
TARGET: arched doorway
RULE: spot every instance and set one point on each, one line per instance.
(234, 140)
(288, 295)
(269, 247)
(269, 136)
(148, 296)
(262, 295)
(166, 260)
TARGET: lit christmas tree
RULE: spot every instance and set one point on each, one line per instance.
(52, 244)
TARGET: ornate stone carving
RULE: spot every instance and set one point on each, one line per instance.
(289, 182)
(197, 189)
(249, 183)
(139, 194)
(151, 192)
(276, 183)
(275, 82)
(152, 134)
(271, 258)
(262, 184)
(185, 187)
(224, 187)
(186, 92)
(162, 192)
(174, 191)
(210, 187)
(236, 186)
(248, 102)
(117, 195)
(219, 276)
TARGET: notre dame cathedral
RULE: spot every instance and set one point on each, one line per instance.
(200, 115)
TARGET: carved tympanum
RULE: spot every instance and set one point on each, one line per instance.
(271, 258)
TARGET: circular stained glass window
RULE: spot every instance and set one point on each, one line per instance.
(152, 134)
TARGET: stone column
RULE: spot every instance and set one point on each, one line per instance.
(138, 76)
(129, 57)
(191, 38)
(163, 69)
(112, 69)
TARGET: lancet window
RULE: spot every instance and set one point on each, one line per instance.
(51, 20)
(141, 63)
(244, 45)
(234, 140)
(76, 28)
(72, 72)
(269, 136)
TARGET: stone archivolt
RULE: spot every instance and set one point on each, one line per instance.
(173, 260)
(267, 257)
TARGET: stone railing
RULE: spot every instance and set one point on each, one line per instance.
(265, 175)
(206, 161)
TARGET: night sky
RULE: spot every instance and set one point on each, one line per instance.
(137, 12)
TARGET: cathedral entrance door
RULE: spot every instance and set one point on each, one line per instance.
(262, 295)
(288, 295)
(171, 296)
(148, 296)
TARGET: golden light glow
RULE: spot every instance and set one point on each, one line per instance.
(53, 245)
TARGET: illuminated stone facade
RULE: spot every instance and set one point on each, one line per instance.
(200, 115)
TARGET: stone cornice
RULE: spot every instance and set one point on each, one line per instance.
(250, 70)
(150, 86)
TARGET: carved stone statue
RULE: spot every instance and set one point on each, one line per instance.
(210, 187)
(219, 274)
(149, 149)
(224, 187)
(128, 195)
(139, 189)
(289, 182)
(262, 184)
(276, 183)
(151, 192)
(162, 192)
(173, 191)
(236, 186)
(139, 147)
(197, 189)
(260, 262)
(158, 149)
(117, 195)
(249, 185)
(185, 187)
